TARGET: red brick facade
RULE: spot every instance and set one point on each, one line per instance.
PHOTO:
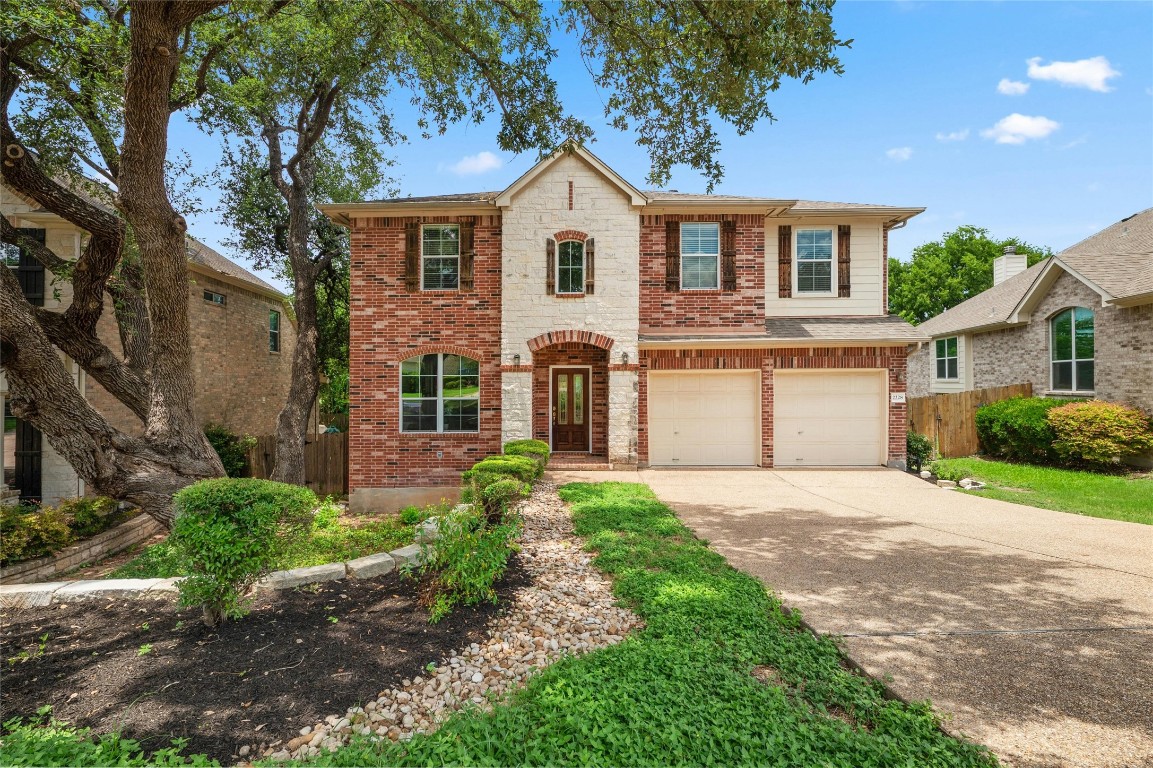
(767, 361)
(388, 325)
(576, 355)
(743, 308)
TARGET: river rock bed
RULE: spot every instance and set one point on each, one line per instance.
(567, 609)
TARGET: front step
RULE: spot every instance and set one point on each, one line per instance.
(579, 461)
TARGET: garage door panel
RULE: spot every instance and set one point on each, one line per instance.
(704, 419)
(829, 418)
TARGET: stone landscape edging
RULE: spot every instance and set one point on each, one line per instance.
(103, 544)
(39, 595)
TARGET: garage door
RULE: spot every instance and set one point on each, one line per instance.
(830, 418)
(704, 419)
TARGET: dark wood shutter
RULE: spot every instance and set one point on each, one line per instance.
(784, 261)
(412, 257)
(590, 265)
(672, 255)
(550, 266)
(843, 287)
(467, 254)
(728, 255)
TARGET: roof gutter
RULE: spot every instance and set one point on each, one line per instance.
(771, 343)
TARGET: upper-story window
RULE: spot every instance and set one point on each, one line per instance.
(440, 393)
(440, 257)
(212, 297)
(273, 331)
(570, 267)
(700, 255)
(1071, 350)
(946, 356)
(814, 272)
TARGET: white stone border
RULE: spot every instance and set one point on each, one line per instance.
(47, 593)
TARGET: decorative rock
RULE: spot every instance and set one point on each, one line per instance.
(409, 555)
(370, 566)
(946, 484)
(926, 474)
(298, 577)
(245, 750)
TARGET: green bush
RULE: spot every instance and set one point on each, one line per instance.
(520, 467)
(91, 515)
(56, 743)
(230, 447)
(411, 515)
(503, 493)
(466, 559)
(28, 531)
(1018, 429)
(230, 533)
(918, 448)
(537, 450)
(1099, 433)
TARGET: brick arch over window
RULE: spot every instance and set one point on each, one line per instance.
(561, 337)
(448, 349)
(570, 234)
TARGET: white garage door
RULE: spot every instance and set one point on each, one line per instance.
(704, 419)
(829, 418)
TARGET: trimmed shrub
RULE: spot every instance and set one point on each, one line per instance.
(503, 493)
(28, 531)
(918, 448)
(467, 558)
(230, 532)
(521, 467)
(230, 447)
(537, 450)
(1018, 429)
(1099, 433)
(91, 515)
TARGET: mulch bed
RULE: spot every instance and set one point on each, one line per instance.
(155, 672)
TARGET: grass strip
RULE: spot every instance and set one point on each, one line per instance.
(719, 676)
(1114, 497)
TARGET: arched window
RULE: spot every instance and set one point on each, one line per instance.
(570, 267)
(1071, 350)
(440, 393)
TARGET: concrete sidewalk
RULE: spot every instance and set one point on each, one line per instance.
(1030, 630)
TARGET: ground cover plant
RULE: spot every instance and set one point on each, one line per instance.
(721, 675)
(1115, 497)
(28, 531)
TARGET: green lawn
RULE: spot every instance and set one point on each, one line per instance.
(682, 691)
(335, 538)
(1128, 498)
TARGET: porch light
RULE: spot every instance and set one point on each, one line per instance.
(625, 358)
(516, 359)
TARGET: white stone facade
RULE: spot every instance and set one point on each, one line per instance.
(602, 211)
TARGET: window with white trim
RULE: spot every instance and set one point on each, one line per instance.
(440, 257)
(700, 255)
(1071, 350)
(570, 267)
(440, 393)
(814, 257)
(946, 358)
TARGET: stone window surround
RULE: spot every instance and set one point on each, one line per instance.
(1049, 323)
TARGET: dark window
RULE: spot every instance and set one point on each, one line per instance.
(1071, 350)
(212, 297)
(440, 393)
(947, 358)
(440, 257)
(273, 330)
(570, 270)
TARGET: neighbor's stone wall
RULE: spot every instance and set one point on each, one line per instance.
(389, 325)
(239, 381)
(691, 309)
(542, 210)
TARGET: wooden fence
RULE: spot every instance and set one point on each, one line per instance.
(948, 420)
(325, 462)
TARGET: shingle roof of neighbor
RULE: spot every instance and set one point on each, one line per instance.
(1118, 259)
(885, 327)
(990, 307)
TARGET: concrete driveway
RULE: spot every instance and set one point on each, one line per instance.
(1030, 630)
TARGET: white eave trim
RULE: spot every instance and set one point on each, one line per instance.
(343, 213)
(770, 343)
(1023, 311)
(636, 198)
(766, 208)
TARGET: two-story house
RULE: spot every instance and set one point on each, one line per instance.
(637, 328)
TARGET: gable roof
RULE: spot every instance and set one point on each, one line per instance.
(990, 308)
(569, 148)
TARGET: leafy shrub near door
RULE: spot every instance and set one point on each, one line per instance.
(1018, 429)
(230, 533)
(1098, 433)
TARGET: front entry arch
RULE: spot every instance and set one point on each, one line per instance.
(570, 414)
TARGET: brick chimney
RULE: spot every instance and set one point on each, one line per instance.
(1009, 264)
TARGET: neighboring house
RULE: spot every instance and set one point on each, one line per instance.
(1079, 324)
(634, 328)
(242, 346)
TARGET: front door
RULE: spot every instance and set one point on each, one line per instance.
(570, 409)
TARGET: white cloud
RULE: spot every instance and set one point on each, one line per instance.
(900, 154)
(471, 165)
(1017, 129)
(1093, 73)
(1012, 87)
(954, 136)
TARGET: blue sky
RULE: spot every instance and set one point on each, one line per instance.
(1032, 119)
